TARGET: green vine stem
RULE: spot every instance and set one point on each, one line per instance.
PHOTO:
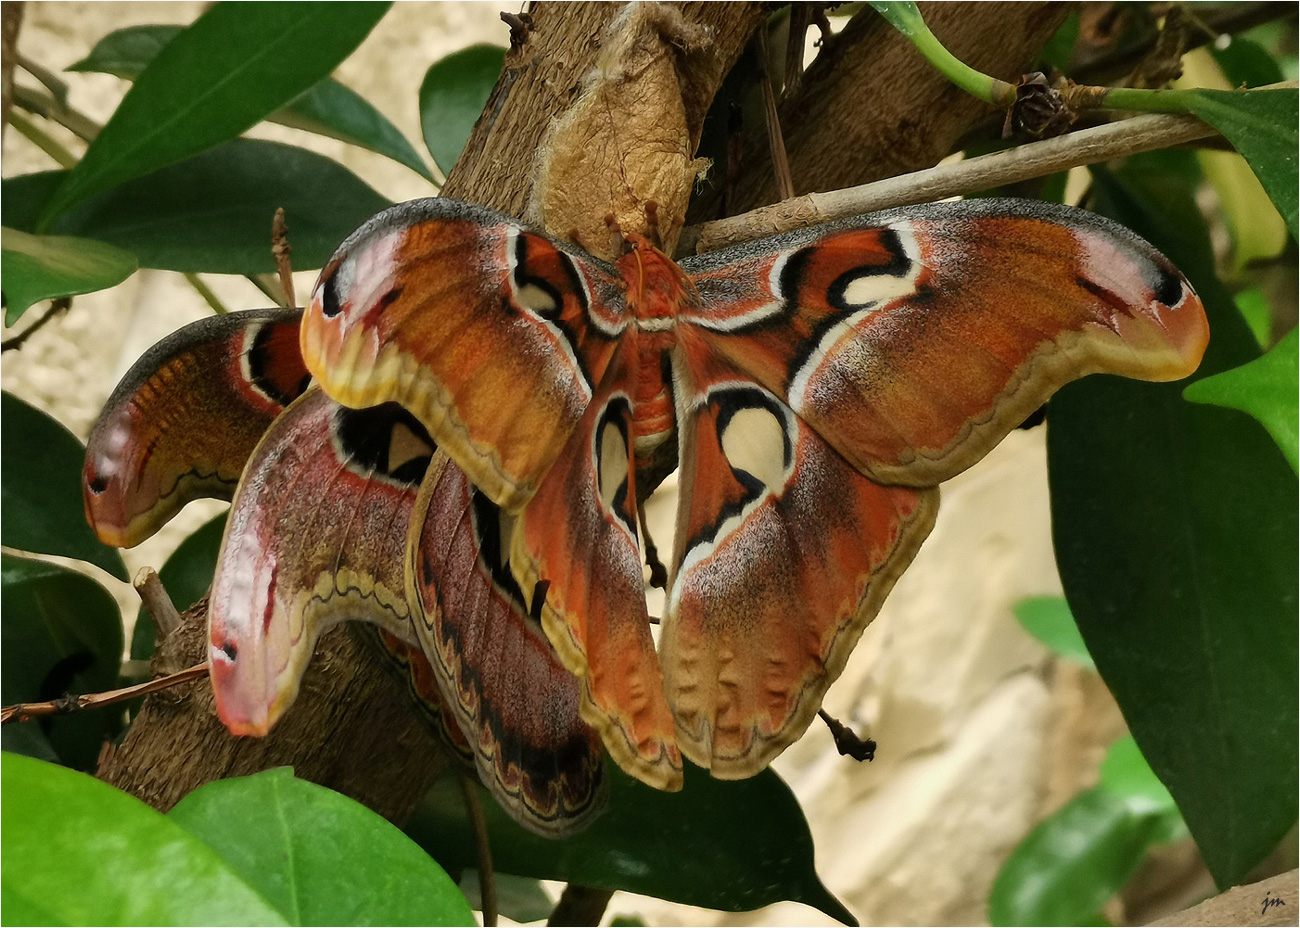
(906, 18)
(42, 139)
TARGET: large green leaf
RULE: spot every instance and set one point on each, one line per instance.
(452, 96)
(1262, 126)
(727, 845)
(318, 856)
(79, 852)
(185, 576)
(1175, 533)
(328, 108)
(62, 633)
(40, 489)
(1266, 388)
(42, 267)
(237, 64)
(1071, 864)
(213, 212)
(1081, 855)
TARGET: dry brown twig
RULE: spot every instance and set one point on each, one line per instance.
(1119, 139)
(64, 705)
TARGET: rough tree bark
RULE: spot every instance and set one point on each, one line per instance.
(352, 728)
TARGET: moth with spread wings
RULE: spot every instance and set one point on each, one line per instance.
(822, 383)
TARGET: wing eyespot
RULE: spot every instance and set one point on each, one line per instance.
(330, 306)
(1169, 289)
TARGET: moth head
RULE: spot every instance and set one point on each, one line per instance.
(655, 285)
(256, 654)
(1144, 299)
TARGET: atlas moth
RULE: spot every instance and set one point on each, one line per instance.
(820, 385)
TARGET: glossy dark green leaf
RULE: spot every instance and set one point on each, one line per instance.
(318, 856)
(40, 489)
(185, 576)
(328, 108)
(1175, 532)
(1048, 619)
(1262, 126)
(42, 267)
(1071, 864)
(79, 852)
(212, 213)
(1266, 388)
(126, 52)
(734, 845)
(62, 633)
(452, 96)
(237, 64)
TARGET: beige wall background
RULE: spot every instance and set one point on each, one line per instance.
(981, 733)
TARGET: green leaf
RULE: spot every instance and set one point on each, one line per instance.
(1048, 619)
(1261, 125)
(62, 633)
(79, 852)
(731, 845)
(1257, 229)
(337, 112)
(1071, 864)
(1175, 533)
(318, 856)
(212, 213)
(1267, 389)
(234, 66)
(328, 108)
(452, 96)
(126, 52)
(1258, 314)
(1126, 774)
(185, 576)
(42, 267)
(40, 489)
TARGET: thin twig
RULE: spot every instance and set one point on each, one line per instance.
(775, 140)
(280, 250)
(154, 596)
(11, 23)
(47, 105)
(24, 711)
(269, 284)
(1036, 159)
(487, 881)
(206, 292)
(42, 140)
(56, 307)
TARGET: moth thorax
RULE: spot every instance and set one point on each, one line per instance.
(657, 289)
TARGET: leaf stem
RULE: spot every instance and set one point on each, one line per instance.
(208, 296)
(42, 140)
(907, 19)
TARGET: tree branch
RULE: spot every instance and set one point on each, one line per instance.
(1089, 146)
